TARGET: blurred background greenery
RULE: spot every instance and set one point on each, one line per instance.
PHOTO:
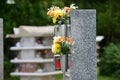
(33, 12)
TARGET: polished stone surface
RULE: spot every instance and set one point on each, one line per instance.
(83, 57)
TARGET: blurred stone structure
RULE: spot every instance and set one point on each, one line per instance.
(1, 49)
(34, 57)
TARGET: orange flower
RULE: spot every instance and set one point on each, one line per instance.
(51, 13)
(58, 39)
(67, 9)
(62, 38)
(69, 40)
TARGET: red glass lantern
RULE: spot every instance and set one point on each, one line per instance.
(57, 62)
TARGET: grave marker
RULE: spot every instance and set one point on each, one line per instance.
(83, 57)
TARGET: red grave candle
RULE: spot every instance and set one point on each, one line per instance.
(57, 62)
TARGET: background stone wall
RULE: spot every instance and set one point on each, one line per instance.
(1, 49)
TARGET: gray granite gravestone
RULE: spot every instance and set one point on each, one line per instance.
(83, 57)
(1, 49)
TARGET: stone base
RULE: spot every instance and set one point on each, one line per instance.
(36, 78)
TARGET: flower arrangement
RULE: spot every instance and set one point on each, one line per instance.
(61, 45)
(59, 15)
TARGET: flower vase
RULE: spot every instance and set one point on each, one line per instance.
(63, 30)
(63, 65)
(56, 31)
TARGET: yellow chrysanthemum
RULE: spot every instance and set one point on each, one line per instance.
(57, 15)
(54, 20)
(56, 48)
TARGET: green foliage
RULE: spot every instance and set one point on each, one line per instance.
(117, 74)
(110, 61)
(8, 67)
(108, 21)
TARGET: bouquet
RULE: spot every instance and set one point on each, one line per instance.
(61, 45)
(60, 15)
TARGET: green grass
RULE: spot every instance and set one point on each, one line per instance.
(58, 77)
(99, 77)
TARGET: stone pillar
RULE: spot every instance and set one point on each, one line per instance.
(83, 57)
(1, 49)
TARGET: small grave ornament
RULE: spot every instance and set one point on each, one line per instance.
(57, 62)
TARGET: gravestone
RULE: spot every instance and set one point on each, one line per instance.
(1, 49)
(83, 53)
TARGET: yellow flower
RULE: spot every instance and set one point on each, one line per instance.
(54, 20)
(59, 13)
(56, 48)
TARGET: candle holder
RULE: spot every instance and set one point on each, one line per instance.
(57, 62)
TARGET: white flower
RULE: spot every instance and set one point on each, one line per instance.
(72, 6)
